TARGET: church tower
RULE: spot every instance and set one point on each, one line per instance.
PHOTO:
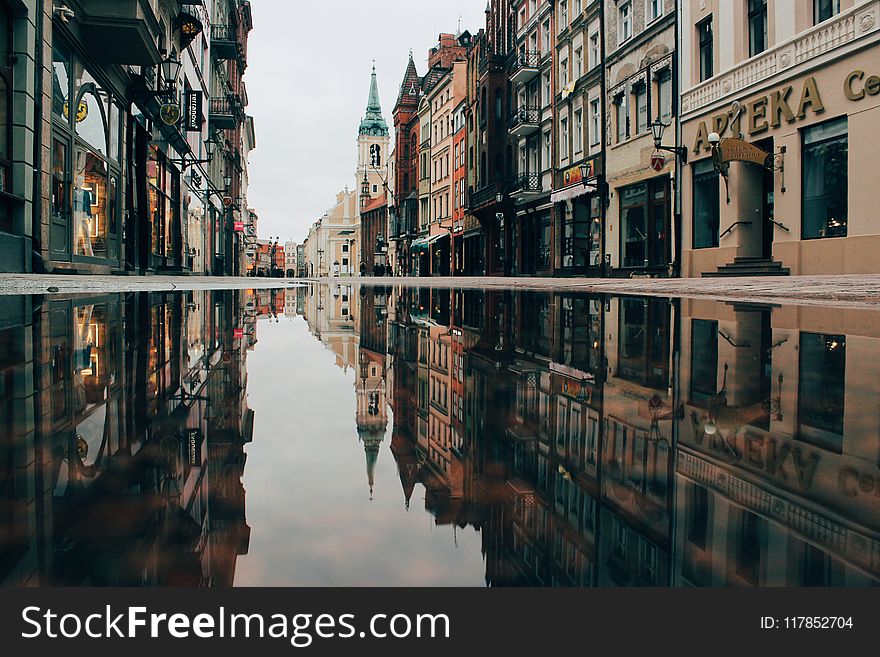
(374, 145)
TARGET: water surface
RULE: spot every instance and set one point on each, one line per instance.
(337, 435)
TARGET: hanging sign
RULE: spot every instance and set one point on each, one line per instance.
(193, 104)
(658, 161)
(170, 113)
(238, 226)
(237, 334)
(738, 150)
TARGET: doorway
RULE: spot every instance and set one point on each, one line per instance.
(767, 204)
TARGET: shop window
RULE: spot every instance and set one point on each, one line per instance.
(164, 202)
(821, 389)
(707, 49)
(757, 27)
(825, 9)
(707, 206)
(644, 213)
(5, 116)
(544, 242)
(704, 360)
(825, 180)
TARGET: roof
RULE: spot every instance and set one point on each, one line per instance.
(375, 204)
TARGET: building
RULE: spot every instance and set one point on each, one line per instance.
(640, 60)
(579, 196)
(290, 259)
(783, 90)
(333, 243)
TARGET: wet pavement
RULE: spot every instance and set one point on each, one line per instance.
(336, 434)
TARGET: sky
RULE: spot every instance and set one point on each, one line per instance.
(308, 79)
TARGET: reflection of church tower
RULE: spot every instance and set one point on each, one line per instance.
(373, 144)
(372, 414)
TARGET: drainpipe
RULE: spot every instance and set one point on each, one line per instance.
(679, 164)
(37, 217)
(603, 190)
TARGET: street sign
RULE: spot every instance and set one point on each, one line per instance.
(658, 161)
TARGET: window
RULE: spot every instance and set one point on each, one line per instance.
(594, 50)
(545, 31)
(825, 9)
(563, 138)
(825, 180)
(577, 9)
(664, 95)
(704, 31)
(707, 208)
(563, 72)
(624, 20)
(621, 117)
(548, 155)
(641, 94)
(548, 92)
(578, 63)
(578, 131)
(757, 27)
(594, 122)
(821, 389)
(563, 14)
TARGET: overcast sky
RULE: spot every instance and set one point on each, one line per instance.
(308, 79)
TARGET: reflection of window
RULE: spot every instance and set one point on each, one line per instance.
(821, 390)
(707, 206)
(643, 355)
(704, 360)
(618, 535)
(748, 547)
(697, 504)
(825, 180)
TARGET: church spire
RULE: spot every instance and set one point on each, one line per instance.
(374, 123)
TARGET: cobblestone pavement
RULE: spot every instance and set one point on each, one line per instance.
(846, 290)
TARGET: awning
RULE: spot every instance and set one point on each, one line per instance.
(573, 191)
(424, 242)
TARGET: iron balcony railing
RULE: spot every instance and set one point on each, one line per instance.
(527, 116)
(488, 194)
(527, 59)
(527, 182)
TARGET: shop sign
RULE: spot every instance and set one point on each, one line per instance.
(170, 113)
(573, 175)
(238, 226)
(237, 334)
(658, 161)
(194, 118)
(738, 150)
(762, 113)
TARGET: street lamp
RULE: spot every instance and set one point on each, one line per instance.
(170, 67)
(657, 130)
(227, 181)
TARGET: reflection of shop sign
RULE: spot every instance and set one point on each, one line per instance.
(237, 334)
(238, 226)
(194, 446)
(779, 459)
(573, 175)
(82, 111)
(763, 113)
(737, 150)
(170, 113)
(193, 111)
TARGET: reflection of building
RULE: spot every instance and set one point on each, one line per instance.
(138, 404)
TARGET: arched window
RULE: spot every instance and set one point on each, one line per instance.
(375, 155)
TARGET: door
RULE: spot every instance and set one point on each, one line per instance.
(659, 247)
(768, 226)
(60, 225)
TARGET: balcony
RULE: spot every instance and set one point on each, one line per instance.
(487, 195)
(525, 121)
(224, 113)
(524, 66)
(526, 184)
(120, 31)
(224, 41)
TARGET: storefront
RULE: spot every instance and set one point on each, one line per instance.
(86, 154)
(579, 212)
(783, 188)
